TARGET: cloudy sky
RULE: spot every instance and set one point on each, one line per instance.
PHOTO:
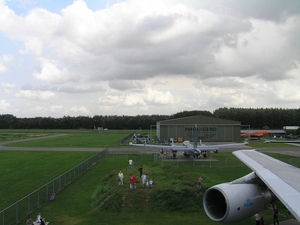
(101, 57)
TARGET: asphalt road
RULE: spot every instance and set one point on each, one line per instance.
(294, 151)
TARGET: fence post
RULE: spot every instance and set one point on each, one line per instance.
(17, 213)
(47, 192)
(39, 197)
(28, 203)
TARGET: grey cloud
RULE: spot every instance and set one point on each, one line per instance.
(125, 85)
(221, 82)
(30, 87)
(154, 23)
(274, 10)
(73, 90)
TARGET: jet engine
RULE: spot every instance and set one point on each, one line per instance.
(235, 201)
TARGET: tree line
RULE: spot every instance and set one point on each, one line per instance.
(259, 118)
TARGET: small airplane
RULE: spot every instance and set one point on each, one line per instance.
(255, 134)
(248, 195)
(189, 149)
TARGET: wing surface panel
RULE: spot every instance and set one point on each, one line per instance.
(281, 178)
(168, 147)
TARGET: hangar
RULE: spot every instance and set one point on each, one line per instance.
(210, 129)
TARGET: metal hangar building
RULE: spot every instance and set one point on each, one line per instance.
(210, 129)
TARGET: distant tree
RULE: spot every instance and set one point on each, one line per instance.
(7, 121)
(191, 113)
(273, 118)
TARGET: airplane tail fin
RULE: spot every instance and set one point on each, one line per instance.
(246, 142)
(195, 136)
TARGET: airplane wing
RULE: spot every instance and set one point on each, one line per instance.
(216, 147)
(281, 178)
(189, 147)
(167, 147)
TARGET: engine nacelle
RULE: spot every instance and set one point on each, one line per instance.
(186, 153)
(228, 202)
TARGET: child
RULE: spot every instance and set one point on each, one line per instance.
(150, 183)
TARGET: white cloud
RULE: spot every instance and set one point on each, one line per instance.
(56, 108)
(35, 95)
(149, 57)
(154, 97)
(80, 110)
(5, 60)
(4, 105)
(50, 73)
(125, 84)
(8, 87)
(3, 68)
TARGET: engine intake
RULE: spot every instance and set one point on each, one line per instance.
(229, 202)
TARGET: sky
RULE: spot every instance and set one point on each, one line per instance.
(145, 57)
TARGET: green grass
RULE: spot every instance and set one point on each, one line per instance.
(23, 172)
(174, 198)
(95, 197)
(17, 136)
(262, 144)
(78, 139)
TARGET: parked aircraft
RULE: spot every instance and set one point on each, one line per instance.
(189, 149)
(138, 139)
(248, 195)
(255, 134)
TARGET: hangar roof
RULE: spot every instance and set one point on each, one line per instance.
(270, 131)
(199, 119)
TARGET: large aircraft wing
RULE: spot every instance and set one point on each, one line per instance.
(167, 147)
(281, 178)
(189, 147)
(207, 147)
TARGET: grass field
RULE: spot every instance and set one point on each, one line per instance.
(95, 197)
(68, 138)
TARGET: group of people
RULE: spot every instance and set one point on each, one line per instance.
(260, 220)
(145, 182)
(39, 219)
(132, 180)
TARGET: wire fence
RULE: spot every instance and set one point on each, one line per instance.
(19, 210)
(183, 161)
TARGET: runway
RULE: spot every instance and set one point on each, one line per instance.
(294, 151)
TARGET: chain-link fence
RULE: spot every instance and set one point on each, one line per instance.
(182, 161)
(19, 210)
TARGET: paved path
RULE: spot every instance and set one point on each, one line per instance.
(288, 222)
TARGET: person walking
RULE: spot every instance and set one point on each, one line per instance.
(140, 170)
(120, 178)
(29, 222)
(132, 184)
(130, 162)
(38, 218)
(150, 183)
(257, 219)
(144, 179)
(199, 182)
(275, 215)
